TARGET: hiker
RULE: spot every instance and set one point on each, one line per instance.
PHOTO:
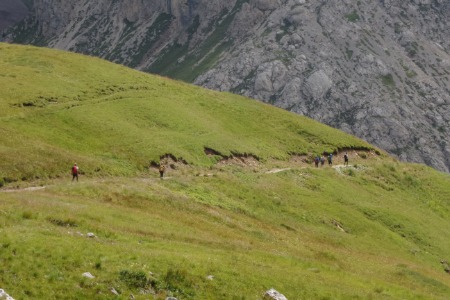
(75, 172)
(322, 160)
(162, 168)
(316, 161)
(345, 159)
(330, 159)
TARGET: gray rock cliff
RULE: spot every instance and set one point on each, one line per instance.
(12, 12)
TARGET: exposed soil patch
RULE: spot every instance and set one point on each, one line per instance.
(170, 161)
(211, 152)
(354, 156)
(274, 171)
(237, 159)
(301, 159)
(240, 160)
(28, 189)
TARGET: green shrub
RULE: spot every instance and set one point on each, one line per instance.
(352, 17)
(350, 172)
(179, 281)
(388, 80)
(63, 223)
(133, 279)
(27, 215)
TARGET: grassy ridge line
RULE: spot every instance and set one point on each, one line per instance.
(114, 120)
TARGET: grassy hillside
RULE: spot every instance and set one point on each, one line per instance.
(69, 107)
(248, 214)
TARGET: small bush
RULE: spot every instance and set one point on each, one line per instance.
(133, 279)
(27, 215)
(179, 281)
(363, 155)
(353, 17)
(351, 172)
(62, 223)
(388, 80)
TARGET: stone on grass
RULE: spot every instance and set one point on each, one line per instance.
(90, 235)
(272, 294)
(4, 295)
(113, 290)
(88, 275)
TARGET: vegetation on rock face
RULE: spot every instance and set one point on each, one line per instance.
(240, 211)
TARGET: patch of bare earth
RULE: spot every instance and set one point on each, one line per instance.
(303, 160)
(28, 189)
(274, 171)
(236, 159)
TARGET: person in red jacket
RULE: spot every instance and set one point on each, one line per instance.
(75, 172)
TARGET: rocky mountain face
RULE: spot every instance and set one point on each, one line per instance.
(11, 12)
(379, 69)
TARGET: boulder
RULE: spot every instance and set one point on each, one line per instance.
(4, 295)
(273, 294)
(88, 275)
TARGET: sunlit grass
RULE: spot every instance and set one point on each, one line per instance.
(377, 229)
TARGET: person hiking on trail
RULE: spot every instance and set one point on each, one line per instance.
(322, 160)
(345, 159)
(316, 161)
(75, 172)
(162, 168)
(330, 159)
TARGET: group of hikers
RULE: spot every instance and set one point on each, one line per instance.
(162, 166)
(321, 160)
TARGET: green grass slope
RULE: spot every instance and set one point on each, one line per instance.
(247, 215)
(69, 107)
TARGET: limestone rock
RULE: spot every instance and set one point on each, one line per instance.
(113, 290)
(11, 12)
(318, 84)
(269, 78)
(273, 294)
(88, 275)
(265, 4)
(4, 295)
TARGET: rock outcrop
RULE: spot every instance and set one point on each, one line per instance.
(273, 294)
(4, 295)
(377, 69)
(11, 12)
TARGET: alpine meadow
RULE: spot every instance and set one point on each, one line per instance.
(241, 208)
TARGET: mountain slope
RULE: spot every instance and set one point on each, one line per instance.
(376, 69)
(12, 12)
(69, 103)
(217, 227)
